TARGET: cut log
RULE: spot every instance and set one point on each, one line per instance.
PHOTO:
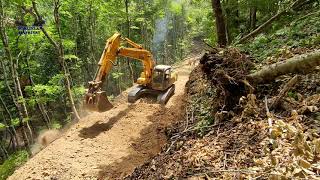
(299, 64)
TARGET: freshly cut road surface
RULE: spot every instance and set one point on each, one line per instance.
(108, 145)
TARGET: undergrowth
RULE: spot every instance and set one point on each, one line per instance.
(200, 107)
(14, 161)
(300, 31)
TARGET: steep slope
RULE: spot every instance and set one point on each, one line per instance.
(109, 144)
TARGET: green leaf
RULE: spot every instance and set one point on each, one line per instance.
(21, 99)
(70, 56)
(68, 44)
(24, 120)
(2, 127)
(134, 27)
(116, 75)
(140, 19)
(15, 122)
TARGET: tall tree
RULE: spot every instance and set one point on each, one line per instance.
(17, 95)
(253, 17)
(220, 23)
(128, 35)
(59, 50)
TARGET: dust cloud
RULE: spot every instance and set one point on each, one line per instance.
(44, 139)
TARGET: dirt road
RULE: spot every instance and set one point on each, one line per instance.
(108, 145)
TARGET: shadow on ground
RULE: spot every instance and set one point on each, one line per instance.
(99, 127)
(150, 143)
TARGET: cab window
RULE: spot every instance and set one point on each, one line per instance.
(157, 76)
(167, 74)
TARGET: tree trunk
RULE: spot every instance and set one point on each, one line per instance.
(21, 107)
(62, 60)
(128, 35)
(60, 51)
(228, 21)
(220, 23)
(23, 103)
(93, 47)
(253, 18)
(299, 64)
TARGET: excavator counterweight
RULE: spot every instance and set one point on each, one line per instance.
(157, 80)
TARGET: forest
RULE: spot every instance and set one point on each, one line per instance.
(49, 51)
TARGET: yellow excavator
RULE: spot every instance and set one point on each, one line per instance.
(155, 79)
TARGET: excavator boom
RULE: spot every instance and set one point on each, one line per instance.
(95, 98)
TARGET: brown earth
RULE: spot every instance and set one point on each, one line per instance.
(109, 145)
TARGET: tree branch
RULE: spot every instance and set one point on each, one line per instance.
(38, 16)
(262, 27)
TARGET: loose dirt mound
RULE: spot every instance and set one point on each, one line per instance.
(108, 145)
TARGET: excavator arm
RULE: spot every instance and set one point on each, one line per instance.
(96, 99)
(113, 49)
(146, 58)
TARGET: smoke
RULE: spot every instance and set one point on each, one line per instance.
(160, 34)
(161, 30)
(162, 27)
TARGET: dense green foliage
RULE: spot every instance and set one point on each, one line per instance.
(295, 31)
(15, 160)
(36, 68)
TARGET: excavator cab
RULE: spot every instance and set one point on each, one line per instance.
(163, 77)
(162, 85)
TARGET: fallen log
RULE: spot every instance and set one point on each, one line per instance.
(300, 64)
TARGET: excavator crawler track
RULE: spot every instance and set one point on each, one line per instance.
(162, 96)
(165, 96)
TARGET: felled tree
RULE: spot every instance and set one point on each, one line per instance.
(299, 64)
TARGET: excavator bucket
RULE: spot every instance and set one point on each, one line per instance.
(97, 101)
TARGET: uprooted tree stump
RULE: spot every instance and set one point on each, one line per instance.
(228, 71)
